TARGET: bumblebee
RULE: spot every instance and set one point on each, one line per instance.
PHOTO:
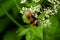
(33, 20)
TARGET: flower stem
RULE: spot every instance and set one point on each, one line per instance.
(16, 4)
(11, 18)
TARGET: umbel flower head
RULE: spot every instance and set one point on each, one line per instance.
(37, 9)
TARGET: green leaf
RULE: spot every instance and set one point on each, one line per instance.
(50, 31)
(29, 36)
(38, 32)
(26, 20)
(23, 32)
(30, 4)
(53, 27)
(42, 15)
(58, 14)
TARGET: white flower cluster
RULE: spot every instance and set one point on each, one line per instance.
(36, 8)
(32, 9)
(45, 23)
(54, 1)
(48, 11)
(24, 1)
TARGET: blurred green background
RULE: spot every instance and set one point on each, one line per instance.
(11, 20)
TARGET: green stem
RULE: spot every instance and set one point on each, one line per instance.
(16, 4)
(11, 18)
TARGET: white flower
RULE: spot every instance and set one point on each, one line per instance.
(37, 8)
(36, 1)
(48, 22)
(34, 9)
(21, 12)
(52, 13)
(45, 23)
(56, 11)
(52, 1)
(47, 11)
(24, 8)
(49, 0)
(58, 2)
(47, 15)
(23, 1)
(36, 15)
(55, 6)
(43, 18)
